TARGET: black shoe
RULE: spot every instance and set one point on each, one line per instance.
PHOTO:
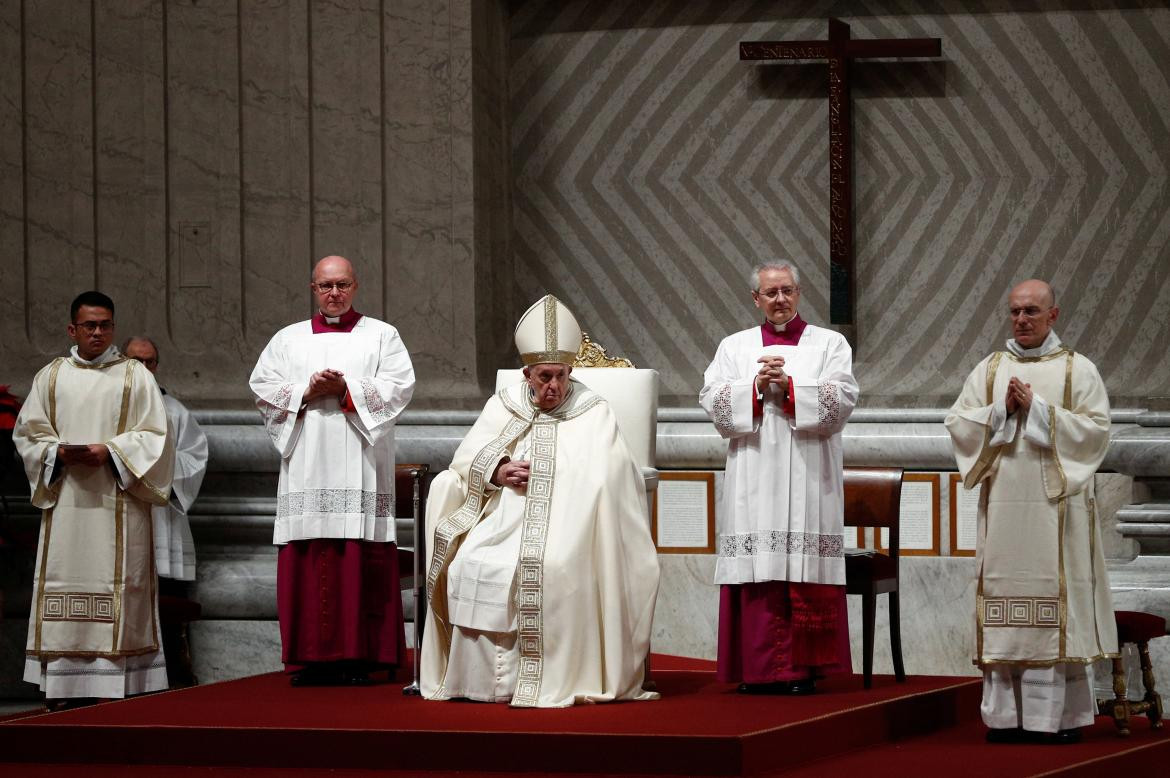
(789, 688)
(58, 704)
(322, 674)
(356, 679)
(1011, 735)
(1064, 737)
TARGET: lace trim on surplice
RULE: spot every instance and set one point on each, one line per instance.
(828, 404)
(370, 504)
(750, 544)
(721, 412)
(276, 409)
(374, 404)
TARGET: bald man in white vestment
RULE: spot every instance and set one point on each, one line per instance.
(542, 574)
(93, 437)
(174, 545)
(330, 390)
(1030, 428)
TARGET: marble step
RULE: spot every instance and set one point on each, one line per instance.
(1148, 524)
(1150, 514)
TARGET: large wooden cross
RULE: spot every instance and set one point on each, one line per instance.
(838, 50)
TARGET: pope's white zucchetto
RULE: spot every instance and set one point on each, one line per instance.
(548, 333)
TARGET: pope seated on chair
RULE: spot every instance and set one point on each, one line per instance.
(542, 574)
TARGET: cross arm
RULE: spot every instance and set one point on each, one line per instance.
(893, 47)
(783, 50)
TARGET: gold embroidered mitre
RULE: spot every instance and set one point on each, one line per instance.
(548, 332)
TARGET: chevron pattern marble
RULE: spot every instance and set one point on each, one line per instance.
(652, 169)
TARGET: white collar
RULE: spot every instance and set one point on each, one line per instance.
(109, 355)
(1050, 344)
(784, 326)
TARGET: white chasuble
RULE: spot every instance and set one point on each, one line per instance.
(1042, 593)
(783, 509)
(542, 597)
(94, 584)
(336, 467)
(174, 546)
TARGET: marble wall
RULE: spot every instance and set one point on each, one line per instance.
(653, 169)
(193, 158)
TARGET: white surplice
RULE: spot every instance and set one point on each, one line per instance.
(93, 631)
(174, 547)
(545, 597)
(336, 468)
(783, 509)
(1042, 597)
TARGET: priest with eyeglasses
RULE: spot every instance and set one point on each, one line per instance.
(781, 393)
(93, 439)
(330, 390)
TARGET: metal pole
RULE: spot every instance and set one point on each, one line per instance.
(415, 480)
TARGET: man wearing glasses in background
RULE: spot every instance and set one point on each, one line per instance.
(93, 437)
(781, 393)
(330, 390)
(174, 545)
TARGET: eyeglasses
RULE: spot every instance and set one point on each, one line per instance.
(1031, 312)
(152, 362)
(90, 327)
(341, 286)
(772, 294)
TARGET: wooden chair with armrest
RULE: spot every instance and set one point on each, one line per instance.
(873, 499)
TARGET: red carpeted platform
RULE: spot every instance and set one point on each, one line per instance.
(699, 727)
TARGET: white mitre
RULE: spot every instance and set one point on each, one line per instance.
(548, 333)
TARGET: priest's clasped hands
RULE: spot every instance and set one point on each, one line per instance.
(1019, 396)
(513, 474)
(771, 372)
(325, 383)
(93, 455)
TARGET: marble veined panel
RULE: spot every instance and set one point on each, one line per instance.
(274, 138)
(652, 169)
(131, 164)
(686, 614)
(59, 160)
(204, 199)
(1114, 491)
(346, 144)
(223, 649)
(12, 315)
(937, 598)
(427, 128)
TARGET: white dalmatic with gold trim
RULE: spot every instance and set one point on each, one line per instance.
(788, 526)
(543, 598)
(1043, 606)
(174, 546)
(94, 625)
(336, 468)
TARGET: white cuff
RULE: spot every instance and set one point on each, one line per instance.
(1036, 428)
(125, 477)
(51, 473)
(1003, 426)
